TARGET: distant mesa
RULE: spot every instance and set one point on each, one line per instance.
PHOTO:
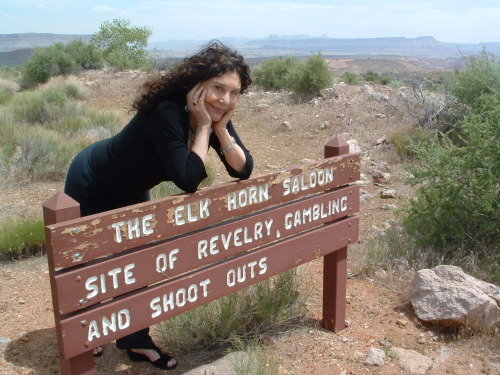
(17, 48)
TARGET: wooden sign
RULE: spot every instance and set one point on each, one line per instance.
(78, 241)
(109, 321)
(102, 280)
(117, 272)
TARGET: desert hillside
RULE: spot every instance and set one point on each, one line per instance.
(279, 133)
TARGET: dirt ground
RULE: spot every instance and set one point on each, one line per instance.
(379, 312)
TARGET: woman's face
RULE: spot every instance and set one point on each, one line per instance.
(223, 94)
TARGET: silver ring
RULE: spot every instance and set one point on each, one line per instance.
(194, 102)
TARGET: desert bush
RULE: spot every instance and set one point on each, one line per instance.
(45, 63)
(403, 139)
(21, 237)
(86, 55)
(69, 85)
(395, 250)
(481, 76)
(371, 76)
(350, 78)
(37, 107)
(123, 46)
(254, 359)
(59, 59)
(311, 76)
(7, 89)
(43, 129)
(431, 109)
(239, 317)
(274, 74)
(304, 78)
(457, 201)
(38, 153)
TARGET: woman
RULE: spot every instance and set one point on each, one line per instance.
(178, 117)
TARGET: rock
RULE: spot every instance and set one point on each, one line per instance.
(286, 126)
(421, 338)
(315, 102)
(443, 354)
(402, 322)
(227, 365)
(326, 125)
(260, 107)
(379, 97)
(447, 295)
(385, 343)
(329, 93)
(380, 115)
(380, 140)
(353, 146)
(381, 177)
(387, 194)
(412, 362)
(401, 264)
(375, 357)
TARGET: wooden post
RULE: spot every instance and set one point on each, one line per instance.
(335, 266)
(60, 207)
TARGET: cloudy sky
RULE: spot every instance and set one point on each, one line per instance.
(447, 20)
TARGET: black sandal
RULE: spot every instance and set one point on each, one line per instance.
(98, 352)
(161, 363)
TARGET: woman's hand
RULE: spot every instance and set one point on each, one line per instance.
(196, 105)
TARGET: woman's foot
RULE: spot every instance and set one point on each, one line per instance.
(99, 351)
(156, 357)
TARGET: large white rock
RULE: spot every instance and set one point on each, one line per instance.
(447, 295)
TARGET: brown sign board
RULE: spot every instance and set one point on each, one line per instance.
(98, 281)
(77, 241)
(121, 316)
(123, 270)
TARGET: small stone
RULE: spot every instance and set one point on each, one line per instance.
(286, 126)
(387, 194)
(375, 357)
(402, 322)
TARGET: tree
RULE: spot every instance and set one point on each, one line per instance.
(123, 45)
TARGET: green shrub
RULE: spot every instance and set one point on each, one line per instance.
(481, 76)
(69, 85)
(38, 153)
(37, 107)
(59, 59)
(21, 237)
(5, 95)
(87, 56)
(252, 359)
(404, 138)
(350, 78)
(457, 201)
(311, 77)
(273, 74)
(45, 63)
(239, 317)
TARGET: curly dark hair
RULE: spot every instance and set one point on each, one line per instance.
(213, 60)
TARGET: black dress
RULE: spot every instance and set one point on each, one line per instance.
(119, 171)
